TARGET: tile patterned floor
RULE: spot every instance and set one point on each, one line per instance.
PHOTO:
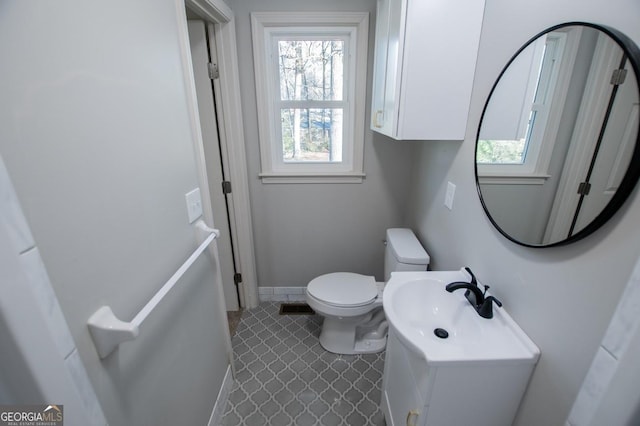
(284, 377)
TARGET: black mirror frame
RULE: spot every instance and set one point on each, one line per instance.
(633, 171)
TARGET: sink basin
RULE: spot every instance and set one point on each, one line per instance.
(416, 304)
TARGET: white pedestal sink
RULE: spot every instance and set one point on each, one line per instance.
(475, 376)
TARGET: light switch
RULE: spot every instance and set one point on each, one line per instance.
(194, 205)
(448, 198)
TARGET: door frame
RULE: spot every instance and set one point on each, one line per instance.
(203, 53)
(221, 16)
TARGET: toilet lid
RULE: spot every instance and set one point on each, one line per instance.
(344, 289)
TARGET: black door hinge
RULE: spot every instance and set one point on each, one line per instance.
(584, 188)
(618, 76)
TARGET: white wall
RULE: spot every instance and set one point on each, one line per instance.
(95, 133)
(609, 392)
(304, 230)
(562, 297)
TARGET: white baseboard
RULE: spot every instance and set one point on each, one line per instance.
(223, 396)
(281, 294)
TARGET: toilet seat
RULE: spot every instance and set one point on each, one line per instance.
(344, 289)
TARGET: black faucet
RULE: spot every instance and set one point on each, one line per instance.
(478, 296)
(475, 296)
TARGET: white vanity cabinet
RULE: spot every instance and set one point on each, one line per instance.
(418, 393)
(404, 385)
(425, 58)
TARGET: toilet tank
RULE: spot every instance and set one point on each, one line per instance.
(403, 252)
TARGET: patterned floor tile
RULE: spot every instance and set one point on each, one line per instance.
(284, 377)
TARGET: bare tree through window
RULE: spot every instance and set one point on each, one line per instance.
(311, 81)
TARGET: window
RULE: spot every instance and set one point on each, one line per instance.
(311, 87)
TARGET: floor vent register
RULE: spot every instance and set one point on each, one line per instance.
(295, 309)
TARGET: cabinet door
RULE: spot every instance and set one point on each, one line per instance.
(386, 78)
(380, 66)
(401, 397)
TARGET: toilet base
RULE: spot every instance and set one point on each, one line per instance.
(370, 346)
(351, 336)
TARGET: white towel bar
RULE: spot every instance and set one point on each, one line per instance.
(108, 331)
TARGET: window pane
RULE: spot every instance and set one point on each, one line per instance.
(500, 152)
(311, 134)
(311, 69)
(506, 151)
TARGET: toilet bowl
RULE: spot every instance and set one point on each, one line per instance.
(351, 304)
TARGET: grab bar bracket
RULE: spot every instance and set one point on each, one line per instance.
(108, 331)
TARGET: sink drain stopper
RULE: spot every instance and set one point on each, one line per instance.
(441, 333)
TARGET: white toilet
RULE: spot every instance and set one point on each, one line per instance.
(351, 304)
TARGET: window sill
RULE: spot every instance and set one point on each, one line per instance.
(354, 177)
(513, 179)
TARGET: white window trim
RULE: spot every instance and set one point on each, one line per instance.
(537, 173)
(273, 169)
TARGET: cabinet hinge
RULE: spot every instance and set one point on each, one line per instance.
(213, 71)
(237, 278)
(618, 76)
(226, 187)
(584, 188)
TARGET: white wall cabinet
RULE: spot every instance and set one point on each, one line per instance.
(417, 392)
(425, 59)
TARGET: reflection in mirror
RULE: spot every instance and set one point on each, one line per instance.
(557, 146)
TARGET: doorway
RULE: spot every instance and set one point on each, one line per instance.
(218, 36)
(206, 77)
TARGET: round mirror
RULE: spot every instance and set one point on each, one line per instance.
(557, 151)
